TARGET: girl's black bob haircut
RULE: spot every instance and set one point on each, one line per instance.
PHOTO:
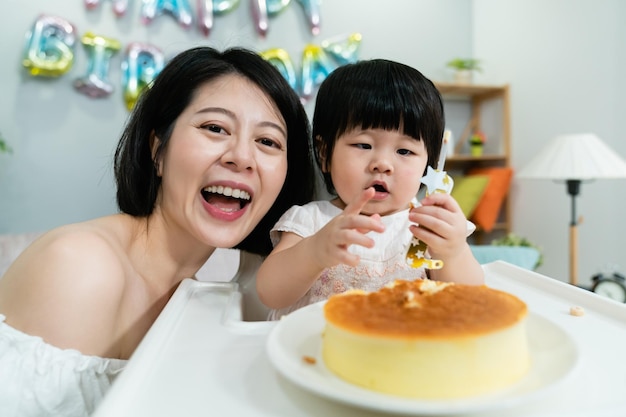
(159, 106)
(376, 94)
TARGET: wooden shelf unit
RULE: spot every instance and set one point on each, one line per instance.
(489, 111)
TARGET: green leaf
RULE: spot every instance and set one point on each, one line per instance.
(514, 240)
(465, 64)
(4, 147)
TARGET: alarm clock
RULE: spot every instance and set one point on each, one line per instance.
(610, 286)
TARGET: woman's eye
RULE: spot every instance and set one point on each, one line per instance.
(270, 142)
(214, 128)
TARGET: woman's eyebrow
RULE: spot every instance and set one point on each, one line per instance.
(218, 110)
(275, 126)
(234, 116)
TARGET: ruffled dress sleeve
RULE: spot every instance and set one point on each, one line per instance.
(304, 220)
(38, 379)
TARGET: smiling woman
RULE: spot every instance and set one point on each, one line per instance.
(76, 303)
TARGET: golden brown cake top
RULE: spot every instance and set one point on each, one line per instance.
(425, 308)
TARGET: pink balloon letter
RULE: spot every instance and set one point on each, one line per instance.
(208, 8)
(259, 14)
(263, 9)
(119, 6)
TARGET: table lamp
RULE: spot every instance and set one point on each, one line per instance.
(573, 159)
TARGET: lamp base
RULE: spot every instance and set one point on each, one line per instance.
(573, 255)
(573, 189)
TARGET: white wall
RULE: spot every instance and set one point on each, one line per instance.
(564, 60)
(63, 141)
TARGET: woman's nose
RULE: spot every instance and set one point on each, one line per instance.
(240, 154)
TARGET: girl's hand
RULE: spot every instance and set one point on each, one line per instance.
(348, 228)
(441, 224)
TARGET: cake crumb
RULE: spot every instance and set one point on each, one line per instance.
(577, 311)
(309, 359)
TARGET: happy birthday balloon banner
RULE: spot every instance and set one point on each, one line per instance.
(181, 10)
(50, 45)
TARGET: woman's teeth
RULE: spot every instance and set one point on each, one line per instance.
(228, 192)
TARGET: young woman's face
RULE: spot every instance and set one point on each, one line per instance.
(389, 161)
(225, 163)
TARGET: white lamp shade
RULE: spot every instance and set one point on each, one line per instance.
(575, 157)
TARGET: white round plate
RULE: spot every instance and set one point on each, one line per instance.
(299, 335)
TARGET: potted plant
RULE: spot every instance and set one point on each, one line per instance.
(464, 69)
(512, 239)
(477, 141)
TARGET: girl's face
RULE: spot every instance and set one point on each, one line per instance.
(225, 162)
(389, 161)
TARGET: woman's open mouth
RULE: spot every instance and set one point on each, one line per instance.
(226, 199)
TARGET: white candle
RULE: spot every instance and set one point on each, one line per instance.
(444, 149)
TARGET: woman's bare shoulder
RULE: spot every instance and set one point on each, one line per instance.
(75, 248)
(67, 286)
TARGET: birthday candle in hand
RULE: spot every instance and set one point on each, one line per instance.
(436, 181)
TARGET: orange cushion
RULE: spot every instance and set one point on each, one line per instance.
(488, 208)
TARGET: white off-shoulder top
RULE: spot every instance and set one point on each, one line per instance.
(38, 379)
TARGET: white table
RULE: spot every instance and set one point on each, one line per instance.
(201, 359)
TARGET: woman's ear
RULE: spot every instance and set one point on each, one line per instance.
(321, 151)
(155, 144)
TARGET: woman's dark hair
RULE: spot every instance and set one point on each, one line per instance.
(376, 94)
(159, 106)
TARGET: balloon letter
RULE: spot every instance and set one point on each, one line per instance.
(263, 9)
(119, 6)
(180, 9)
(344, 50)
(315, 68)
(49, 48)
(259, 14)
(312, 12)
(276, 6)
(205, 16)
(99, 50)
(280, 59)
(208, 8)
(141, 64)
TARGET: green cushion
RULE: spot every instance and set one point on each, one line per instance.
(468, 190)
